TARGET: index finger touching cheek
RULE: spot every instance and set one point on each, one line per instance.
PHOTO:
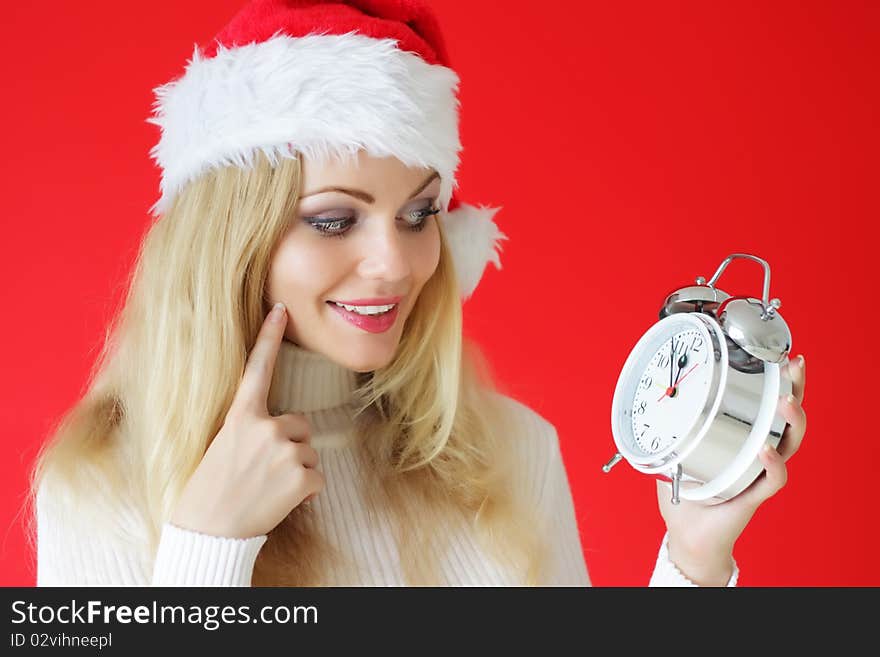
(257, 378)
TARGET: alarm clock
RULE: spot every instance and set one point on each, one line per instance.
(697, 398)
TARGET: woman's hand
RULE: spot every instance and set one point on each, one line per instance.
(701, 537)
(258, 467)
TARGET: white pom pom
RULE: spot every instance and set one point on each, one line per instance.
(474, 241)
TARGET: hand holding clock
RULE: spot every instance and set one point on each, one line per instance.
(701, 537)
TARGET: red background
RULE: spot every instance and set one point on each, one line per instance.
(632, 146)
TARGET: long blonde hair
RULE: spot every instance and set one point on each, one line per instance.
(432, 425)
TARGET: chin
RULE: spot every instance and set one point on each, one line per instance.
(360, 356)
(368, 363)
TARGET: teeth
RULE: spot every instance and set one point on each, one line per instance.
(367, 310)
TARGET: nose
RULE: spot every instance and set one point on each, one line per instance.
(385, 252)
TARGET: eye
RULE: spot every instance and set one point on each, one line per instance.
(419, 218)
(415, 220)
(332, 228)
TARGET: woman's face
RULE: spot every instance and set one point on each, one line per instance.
(363, 236)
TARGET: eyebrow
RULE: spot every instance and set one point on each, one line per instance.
(363, 196)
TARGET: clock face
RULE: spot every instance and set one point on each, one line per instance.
(671, 393)
(668, 390)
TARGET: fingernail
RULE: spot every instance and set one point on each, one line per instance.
(769, 449)
(800, 359)
(277, 310)
(790, 399)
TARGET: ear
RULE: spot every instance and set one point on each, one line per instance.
(474, 241)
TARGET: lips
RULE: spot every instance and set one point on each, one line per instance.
(369, 323)
(372, 301)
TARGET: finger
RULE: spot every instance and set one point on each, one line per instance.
(305, 454)
(793, 435)
(769, 483)
(295, 427)
(253, 391)
(314, 481)
(797, 373)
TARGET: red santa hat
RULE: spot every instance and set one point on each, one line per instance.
(325, 79)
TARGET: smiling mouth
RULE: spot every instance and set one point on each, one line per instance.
(378, 320)
(376, 310)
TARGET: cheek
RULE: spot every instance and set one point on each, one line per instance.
(427, 256)
(301, 269)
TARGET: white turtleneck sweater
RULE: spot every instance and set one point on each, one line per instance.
(71, 552)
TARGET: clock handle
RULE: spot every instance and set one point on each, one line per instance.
(770, 306)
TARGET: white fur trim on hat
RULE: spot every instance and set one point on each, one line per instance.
(321, 95)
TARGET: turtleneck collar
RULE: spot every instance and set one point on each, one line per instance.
(308, 382)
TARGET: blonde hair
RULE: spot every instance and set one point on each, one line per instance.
(432, 424)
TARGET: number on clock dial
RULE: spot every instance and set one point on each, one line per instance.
(658, 418)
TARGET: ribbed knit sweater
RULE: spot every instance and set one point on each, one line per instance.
(71, 553)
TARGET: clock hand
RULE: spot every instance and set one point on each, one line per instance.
(688, 372)
(682, 361)
(672, 390)
(672, 378)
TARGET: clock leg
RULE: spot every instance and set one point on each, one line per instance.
(676, 484)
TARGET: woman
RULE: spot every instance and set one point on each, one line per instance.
(308, 158)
